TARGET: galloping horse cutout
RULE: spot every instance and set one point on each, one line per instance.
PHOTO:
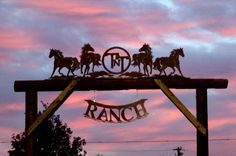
(172, 61)
(87, 57)
(144, 58)
(71, 63)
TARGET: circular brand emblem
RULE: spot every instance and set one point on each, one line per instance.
(116, 60)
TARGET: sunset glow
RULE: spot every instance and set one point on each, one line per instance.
(205, 29)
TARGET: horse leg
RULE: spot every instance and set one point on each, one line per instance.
(93, 68)
(139, 70)
(165, 72)
(150, 68)
(161, 72)
(69, 70)
(54, 69)
(84, 71)
(145, 70)
(59, 71)
(88, 69)
(178, 67)
(72, 72)
(163, 68)
(81, 69)
(173, 68)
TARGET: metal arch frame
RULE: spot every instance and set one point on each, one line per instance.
(201, 85)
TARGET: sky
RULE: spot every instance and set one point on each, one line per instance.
(205, 29)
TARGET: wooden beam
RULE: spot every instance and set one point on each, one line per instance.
(202, 117)
(181, 107)
(31, 112)
(117, 84)
(52, 107)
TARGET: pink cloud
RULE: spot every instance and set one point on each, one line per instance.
(218, 123)
(169, 115)
(83, 123)
(12, 107)
(4, 58)
(17, 39)
(231, 31)
(68, 7)
(6, 132)
(77, 99)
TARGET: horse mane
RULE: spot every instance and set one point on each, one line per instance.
(84, 48)
(173, 52)
(60, 53)
(149, 49)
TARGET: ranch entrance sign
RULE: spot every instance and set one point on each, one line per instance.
(147, 73)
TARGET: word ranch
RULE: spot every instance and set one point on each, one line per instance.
(116, 114)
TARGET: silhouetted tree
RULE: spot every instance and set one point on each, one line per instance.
(53, 139)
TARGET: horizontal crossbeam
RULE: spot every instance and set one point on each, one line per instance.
(118, 84)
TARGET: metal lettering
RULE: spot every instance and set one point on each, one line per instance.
(90, 110)
(116, 114)
(124, 116)
(113, 114)
(103, 114)
(141, 112)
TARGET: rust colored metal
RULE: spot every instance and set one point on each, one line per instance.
(116, 61)
(118, 58)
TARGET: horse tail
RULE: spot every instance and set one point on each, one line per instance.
(135, 59)
(76, 64)
(97, 59)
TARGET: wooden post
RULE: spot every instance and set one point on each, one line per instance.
(31, 106)
(202, 117)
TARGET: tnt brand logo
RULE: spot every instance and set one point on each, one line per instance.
(116, 60)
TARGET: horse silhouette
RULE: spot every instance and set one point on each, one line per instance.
(88, 57)
(145, 58)
(172, 61)
(71, 63)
